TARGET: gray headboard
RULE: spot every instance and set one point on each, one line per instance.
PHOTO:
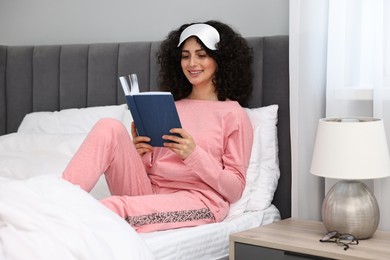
(55, 77)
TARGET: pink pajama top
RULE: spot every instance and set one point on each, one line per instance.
(216, 169)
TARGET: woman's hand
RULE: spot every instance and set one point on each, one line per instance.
(140, 142)
(182, 145)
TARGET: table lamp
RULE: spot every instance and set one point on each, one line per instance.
(351, 149)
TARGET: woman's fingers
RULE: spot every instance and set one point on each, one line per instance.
(141, 144)
(133, 130)
(182, 145)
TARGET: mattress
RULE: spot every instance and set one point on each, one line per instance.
(207, 241)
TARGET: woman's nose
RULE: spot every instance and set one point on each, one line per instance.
(192, 61)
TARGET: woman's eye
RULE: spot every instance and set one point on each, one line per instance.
(202, 54)
(183, 57)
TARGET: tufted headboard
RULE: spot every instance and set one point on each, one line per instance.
(55, 77)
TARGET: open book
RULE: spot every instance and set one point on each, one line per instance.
(154, 113)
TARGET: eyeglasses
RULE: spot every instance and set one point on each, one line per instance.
(340, 239)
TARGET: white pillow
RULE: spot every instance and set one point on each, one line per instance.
(263, 171)
(127, 119)
(55, 132)
(26, 155)
(69, 121)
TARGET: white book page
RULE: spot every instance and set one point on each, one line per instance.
(135, 89)
(134, 84)
(125, 86)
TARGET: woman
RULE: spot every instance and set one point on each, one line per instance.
(194, 179)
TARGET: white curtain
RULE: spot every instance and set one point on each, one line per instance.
(352, 73)
(308, 37)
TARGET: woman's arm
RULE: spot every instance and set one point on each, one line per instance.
(228, 181)
(225, 173)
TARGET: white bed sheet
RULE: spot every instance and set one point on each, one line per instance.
(206, 242)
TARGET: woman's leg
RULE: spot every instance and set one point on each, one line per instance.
(161, 211)
(109, 149)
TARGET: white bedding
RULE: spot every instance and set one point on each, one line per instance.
(51, 219)
(47, 218)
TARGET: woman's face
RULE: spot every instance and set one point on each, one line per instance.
(198, 67)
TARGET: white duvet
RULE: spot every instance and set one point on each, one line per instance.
(46, 217)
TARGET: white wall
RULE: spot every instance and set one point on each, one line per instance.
(87, 21)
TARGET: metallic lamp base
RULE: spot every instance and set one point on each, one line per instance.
(350, 207)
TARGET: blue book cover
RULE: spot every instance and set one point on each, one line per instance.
(154, 113)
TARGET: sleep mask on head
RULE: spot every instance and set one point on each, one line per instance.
(206, 33)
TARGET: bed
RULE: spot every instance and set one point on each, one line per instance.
(50, 96)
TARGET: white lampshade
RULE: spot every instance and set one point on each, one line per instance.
(351, 148)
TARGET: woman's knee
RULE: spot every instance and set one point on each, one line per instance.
(110, 124)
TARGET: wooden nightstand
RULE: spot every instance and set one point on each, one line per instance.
(299, 239)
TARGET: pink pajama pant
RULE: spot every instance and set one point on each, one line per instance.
(108, 149)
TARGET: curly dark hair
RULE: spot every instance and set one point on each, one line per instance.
(233, 78)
